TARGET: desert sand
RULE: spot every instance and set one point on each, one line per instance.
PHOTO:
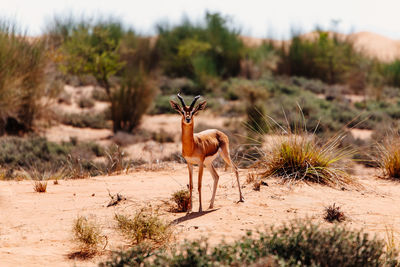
(35, 228)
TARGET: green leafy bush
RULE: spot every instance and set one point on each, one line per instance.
(200, 52)
(323, 56)
(118, 59)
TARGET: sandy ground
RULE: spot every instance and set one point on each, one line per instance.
(35, 228)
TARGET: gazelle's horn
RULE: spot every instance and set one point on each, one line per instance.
(194, 102)
(182, 101)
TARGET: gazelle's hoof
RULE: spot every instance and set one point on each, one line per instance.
(200, 209)
(211, 207)
(241, 199)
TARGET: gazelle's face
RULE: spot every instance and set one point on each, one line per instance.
(187, 115)
(187, 112)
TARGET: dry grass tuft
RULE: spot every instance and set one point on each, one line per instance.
(115, 199)
(302, 157)
(181, 198)
(389, 161)
(333, 213)
(40, 186)
(257, 185)
(251, 177)
(391, 242)
(88, 235)
(144, 227)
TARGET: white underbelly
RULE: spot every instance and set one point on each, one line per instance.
(192, 160)
(207, 160)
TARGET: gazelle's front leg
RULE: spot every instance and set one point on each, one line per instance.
(190, 168)
(199, 184)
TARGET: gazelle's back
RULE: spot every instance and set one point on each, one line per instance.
(209, 141)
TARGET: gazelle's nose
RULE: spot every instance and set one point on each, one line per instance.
(187, 119)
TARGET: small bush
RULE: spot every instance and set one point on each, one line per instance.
(324, 56)
(85, 102)
(181, 199)
(41, 159)
(115, 160)
(333, 213)
(99, 94)
(202, 51)
(87, 234)
(301, 157)
(144, 226)
(23, 62)
(298, 244)
(257, 185)
(83, 120)
(163, 136)
(389, 157)
(40, 186)
(131, 101)
(161, 105)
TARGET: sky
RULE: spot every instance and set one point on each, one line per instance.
(254, 17)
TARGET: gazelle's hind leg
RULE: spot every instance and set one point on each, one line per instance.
(215, 177)
(224, 152)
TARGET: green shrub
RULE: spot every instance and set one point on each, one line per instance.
(131, 101)
(161, 105)
(87, 119)
(298, 244)
(144, 226)
(324, 57)
(106, 50)
(200, 52)
(172, 86)
(87, 234)
(92, 48)
(85, 102)
(99, 94)
(37, 156)
(391, 73)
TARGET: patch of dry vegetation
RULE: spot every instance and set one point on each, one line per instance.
(389, 157)
(333, 213)
(40, 186)
(181, 199)
(144, 227)
(89, 237)
(303, 157)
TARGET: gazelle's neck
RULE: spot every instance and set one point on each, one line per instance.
(187, 139)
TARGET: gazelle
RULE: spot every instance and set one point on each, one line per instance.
(202, 148)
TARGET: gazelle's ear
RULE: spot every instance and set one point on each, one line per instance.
(175, 106)
(199, 107)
